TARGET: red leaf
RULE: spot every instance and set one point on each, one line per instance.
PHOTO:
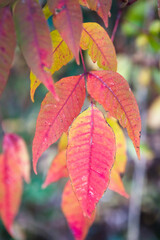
(55, 117)
(7, 44)
(15, 146)
(67, 18)
(102, 7)
(112, 91)
(57, 170)
(78, 223)
(99, 45)
(90, 156)
(34, 38)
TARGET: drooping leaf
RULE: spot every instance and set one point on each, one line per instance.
(7, 44)
(78, 223)
(90, 156)
(63, 142)
(10, 189)
(112, 91)
(99, 45)
(121, 151)
(58, 169)
(67, 19)
(61, 55)
(116, 184)
(102, 7)
(56, 117)
(4, 3)
(34, 40)
(16, 147)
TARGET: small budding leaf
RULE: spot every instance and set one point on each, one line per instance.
(34, 39)
(102, 7)
(67, 18)
(112, 91)
(90, 156)
(57, 170)
(7, 44)
(78, 223)
(55, 117)
(99, 45)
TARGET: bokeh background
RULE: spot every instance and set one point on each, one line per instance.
(137, 43)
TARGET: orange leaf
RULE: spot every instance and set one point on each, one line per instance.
(67, 18)
(7, 44)
(116, 184)
(121, 155)
(16, 147)
(78, 223)
(83, 3)
(58, 169)
(112, 91)
(102, 7)
(90, 156)
(34, 39)
(99, 45)
(55, 117)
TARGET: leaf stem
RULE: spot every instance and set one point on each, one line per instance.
(84, 67)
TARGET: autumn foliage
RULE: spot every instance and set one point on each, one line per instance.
(92, 150)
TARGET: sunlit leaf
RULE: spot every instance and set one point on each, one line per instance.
(78, 223)
(56, 117)
(121, 153)
(102, 7)
(47, 12)
(34, 40)
(99, 45)
(7, 44)
(61, 55)
(90, 156)
(67, 19)
(116, 184)
(63, 142)
(57, 170)
(16, 147)
(112, 91)
(83, 3)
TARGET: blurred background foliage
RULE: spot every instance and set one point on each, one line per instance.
(137, 44)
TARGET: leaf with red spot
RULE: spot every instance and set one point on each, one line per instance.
(67, 18)
(58, 169)
(78, 223)
(34, 39)
(90, 156)
(15, 146)
(102, 7)
(56, 117)
(99, 45)
(112, 91)
(7, 44)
